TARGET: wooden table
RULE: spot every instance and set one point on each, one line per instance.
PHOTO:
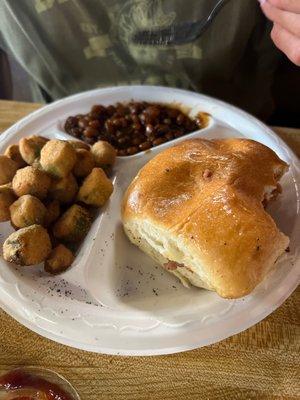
(260, 363)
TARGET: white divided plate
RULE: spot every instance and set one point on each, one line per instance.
(115, 299)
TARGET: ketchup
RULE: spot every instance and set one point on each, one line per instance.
(18, 379)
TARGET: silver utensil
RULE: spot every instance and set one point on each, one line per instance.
(181, 33)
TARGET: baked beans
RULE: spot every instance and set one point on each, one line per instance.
(132, 127)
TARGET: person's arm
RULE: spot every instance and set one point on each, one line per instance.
(285, 15)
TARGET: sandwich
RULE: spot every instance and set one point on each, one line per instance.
(198, 209)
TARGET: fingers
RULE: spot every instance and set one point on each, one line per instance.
(286, 19)
(286, 29)
(286, 5)
(287, 43)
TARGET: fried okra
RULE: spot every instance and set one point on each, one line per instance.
(8, 168)
(64, 190)
(53, 211)
(59, 260)
(36, 164)
(78, 144)
(27, 246)
(84, 164)
(27, 210)
(7, 197)
(73, 225)
(13, 152)
(96, 188)
(30, 148)
(58, 158)
(30, 180)
(104, 153)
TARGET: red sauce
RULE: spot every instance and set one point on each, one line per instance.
(20, 380)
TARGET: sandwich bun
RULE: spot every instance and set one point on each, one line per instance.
(197, 209)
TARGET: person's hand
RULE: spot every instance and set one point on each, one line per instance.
(285, 15)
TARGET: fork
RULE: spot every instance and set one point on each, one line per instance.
(176, 34)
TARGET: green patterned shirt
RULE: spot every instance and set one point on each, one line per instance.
(68, 46)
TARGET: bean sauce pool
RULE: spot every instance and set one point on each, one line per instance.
(132, 127)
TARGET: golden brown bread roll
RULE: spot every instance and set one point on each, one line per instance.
(197, 209)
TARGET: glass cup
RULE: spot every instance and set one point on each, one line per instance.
(34, 383)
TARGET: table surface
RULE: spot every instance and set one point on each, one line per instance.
(261, 363)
